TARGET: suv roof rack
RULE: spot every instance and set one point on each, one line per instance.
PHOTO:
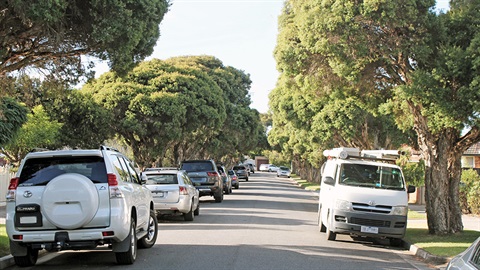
(104, 147)
(160, 169)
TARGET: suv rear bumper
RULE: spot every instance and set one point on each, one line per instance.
(208, 190)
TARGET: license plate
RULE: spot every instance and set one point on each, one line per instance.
(366, 229)
(28, 220)
(158, 194)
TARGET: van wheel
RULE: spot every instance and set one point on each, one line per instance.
(320, 223)
(28, 260)
(396, 242)
(149, 239)
(129, 256)
(331, 236)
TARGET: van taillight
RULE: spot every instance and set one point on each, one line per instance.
(183, 190)
(115, 191)
(10, 197)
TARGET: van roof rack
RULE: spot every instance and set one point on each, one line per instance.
(385, 160)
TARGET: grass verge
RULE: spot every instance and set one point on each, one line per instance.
(305, 184)
(4, 243)
(441, 245)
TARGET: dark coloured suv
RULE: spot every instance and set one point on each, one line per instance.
(205, 176)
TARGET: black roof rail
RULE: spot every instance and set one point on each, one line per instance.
(104, 147)
(385, 160)
(160, 169)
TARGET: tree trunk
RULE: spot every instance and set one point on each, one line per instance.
(442, 178)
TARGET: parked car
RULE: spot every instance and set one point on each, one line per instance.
(78, 199)
(283, 171)
(205, 176)
(227, 181)
(235, 180)
(173, 192)
(272, 168)
(467, 260)
(251, 168)
(264, 167)
(241, 172)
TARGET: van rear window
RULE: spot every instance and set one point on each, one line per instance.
(40, 171)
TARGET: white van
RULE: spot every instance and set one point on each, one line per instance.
(362, 196)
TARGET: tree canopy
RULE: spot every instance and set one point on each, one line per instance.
(54, 34)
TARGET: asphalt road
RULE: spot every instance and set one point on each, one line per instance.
(269, 223)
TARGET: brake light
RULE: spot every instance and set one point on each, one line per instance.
(12, 187)
(112, 179)
(183, 190)
(115, 191)
(212, 173)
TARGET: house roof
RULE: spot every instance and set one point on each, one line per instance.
(474, 150)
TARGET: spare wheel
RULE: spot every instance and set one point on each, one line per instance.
(70, 201)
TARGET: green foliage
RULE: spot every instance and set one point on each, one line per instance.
(470, 192)
(121, 31)
(180, 108)
(12, 117)
(39, 131)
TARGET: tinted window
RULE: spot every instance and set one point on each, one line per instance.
(231, 172)
(284, 168)
(131, 170)
(120, 166)
(161, 179)
(39, 171)
(197, 166)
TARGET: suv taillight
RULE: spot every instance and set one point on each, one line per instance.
(115, 191)
(183, 190)
(11, 189)
(212, 173)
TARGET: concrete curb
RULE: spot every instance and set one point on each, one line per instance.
(425, 255)
(6, 261)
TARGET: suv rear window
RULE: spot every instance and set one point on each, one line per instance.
(239, 168)
(200, 166)
(161, 179)
(39, 171)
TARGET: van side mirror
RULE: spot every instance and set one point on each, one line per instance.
(329, 181)
(411, 189)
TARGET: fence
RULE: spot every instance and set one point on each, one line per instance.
(5, 177)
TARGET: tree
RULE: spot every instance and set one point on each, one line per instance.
(12, 116)
(425, 65)
(55, 34)
(39, 131)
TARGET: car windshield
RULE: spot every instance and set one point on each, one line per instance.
(371, 176)
(197, 166)
(161, 179)
(39, 171)
(236, 168)
(283, 168)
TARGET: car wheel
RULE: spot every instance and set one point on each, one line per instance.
(28, 260)
(197, 211)
(237, 186)
(149, 240)
(218, 197)
(246, 179)
(230, 190)
(189, 216)
(129, 256)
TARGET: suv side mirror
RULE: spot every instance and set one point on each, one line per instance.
(329, 181)
(411, 189)
(143, 178)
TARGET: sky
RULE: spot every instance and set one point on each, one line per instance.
(240, 33)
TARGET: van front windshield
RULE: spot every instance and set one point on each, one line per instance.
(362, 175)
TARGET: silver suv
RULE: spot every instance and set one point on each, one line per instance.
(78, 199)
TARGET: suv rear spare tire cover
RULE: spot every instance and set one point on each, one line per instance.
(70, 201)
